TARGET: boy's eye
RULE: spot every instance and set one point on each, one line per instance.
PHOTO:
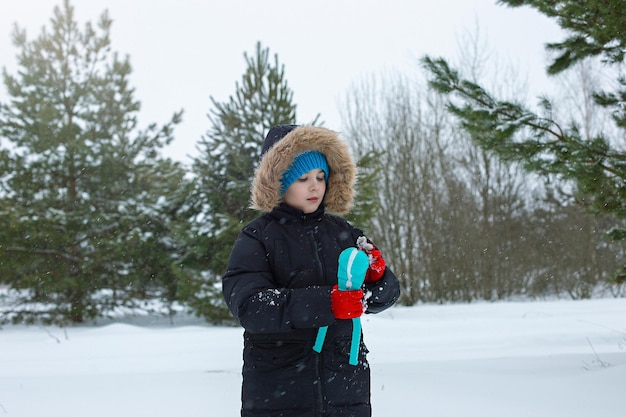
(318, 178)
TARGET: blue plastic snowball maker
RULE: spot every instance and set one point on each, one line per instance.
(353, 265)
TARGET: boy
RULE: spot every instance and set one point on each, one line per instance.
(281, 281)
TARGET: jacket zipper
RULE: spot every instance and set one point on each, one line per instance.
(320, 389)
(318, 261)
(318, 356)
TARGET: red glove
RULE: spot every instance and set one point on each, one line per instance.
(377, 266)
(377, 263)
(346, 304)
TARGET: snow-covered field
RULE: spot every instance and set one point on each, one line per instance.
(530, 359)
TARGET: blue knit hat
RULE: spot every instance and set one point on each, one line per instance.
(302, 164)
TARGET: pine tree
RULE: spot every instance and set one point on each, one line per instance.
(86, 201)
(596, 165)
(228, 154)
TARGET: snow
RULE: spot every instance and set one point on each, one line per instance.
(519, 359)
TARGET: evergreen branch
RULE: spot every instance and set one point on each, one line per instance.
(45, 252)
(486, 117)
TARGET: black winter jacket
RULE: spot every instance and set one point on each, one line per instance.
(277, 286)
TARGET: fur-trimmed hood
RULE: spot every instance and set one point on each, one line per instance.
(340, 190)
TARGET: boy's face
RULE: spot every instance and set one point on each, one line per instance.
(306, 193)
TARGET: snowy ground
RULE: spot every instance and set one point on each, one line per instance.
(533, 359)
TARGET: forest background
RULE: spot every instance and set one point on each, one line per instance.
(472, 193)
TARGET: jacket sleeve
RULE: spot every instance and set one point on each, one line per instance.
(255, 301)
(382, 294)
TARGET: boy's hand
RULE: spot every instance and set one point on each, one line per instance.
(377, 266)
(376, 260)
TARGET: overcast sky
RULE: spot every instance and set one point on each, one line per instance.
(185, 51)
